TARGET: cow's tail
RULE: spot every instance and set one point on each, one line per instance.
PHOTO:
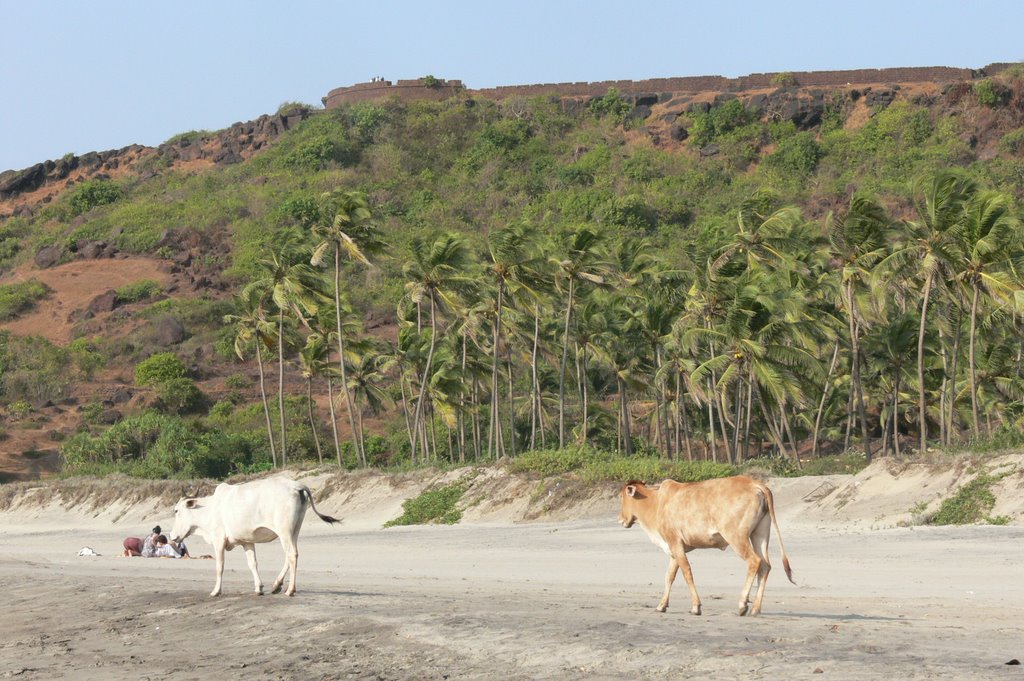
(305, 495)
(782, 547)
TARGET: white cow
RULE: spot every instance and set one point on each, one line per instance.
(245, 515)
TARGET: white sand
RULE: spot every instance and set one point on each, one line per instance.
(496, 599)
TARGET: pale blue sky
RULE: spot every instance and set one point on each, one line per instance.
(103, 74)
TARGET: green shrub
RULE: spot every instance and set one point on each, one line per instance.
(180, 396)
(432, 506)
(158, 446)
(159, 368)
(783, 79)
(92, 193)
(32, 369)
(719, 121)
(86, 356)
(139, 290)
(992, 93)
(190, 136)
(798, 155)
(594, 465)
(17, 299)
(971, 504)
(238, 382)
(610, 105)
(1013, 141)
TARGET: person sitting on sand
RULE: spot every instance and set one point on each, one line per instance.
(136, 546)
(163, 549)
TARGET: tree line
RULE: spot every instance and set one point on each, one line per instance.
(863, 329)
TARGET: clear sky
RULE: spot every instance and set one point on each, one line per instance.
(103, 74)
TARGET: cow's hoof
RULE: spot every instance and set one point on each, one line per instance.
(695, 611)
(289, 593)
(662, 607)
(214, 594)
(743, 610)
(258, 593)
(276, 589)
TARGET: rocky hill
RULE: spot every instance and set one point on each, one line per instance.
(84, 260)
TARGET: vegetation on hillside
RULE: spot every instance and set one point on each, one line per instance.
(549, 280)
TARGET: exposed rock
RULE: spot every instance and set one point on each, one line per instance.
(105, 302)
(168, 331)
(48, 256)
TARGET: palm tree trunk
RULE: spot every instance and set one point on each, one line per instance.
(362, 440)
(627, 436)
(495, 424)
(462, 406)
(824, 396)
(970, 359)
(405, 413)
(561, 374)
(266, 405)
(746, 427)
(954, 371)
(312, 422)
(534, 384)
(341, 355)
(855, 370)
(681, 407)
(511, 403)
(280, 383)
(586, 403)
(423, 384)
(896, 413)
(334, 419)
(921, 400)
(771, 425)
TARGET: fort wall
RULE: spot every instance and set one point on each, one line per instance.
(443, 89)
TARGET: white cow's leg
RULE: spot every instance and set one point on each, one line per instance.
(291, 557)
(291, 552)
(250, 556)
(670, 576)
(684, 564)
(218, 555)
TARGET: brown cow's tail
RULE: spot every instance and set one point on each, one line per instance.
(782, 547)
(306, 495)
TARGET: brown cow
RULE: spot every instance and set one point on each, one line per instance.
(680, 517)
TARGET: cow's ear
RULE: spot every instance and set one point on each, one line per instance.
(191, 503)
(631, 490)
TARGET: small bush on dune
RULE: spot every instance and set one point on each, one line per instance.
(432, 506)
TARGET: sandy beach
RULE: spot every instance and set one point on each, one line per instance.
(562, 599)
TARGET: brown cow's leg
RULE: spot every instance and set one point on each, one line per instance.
(684, 563)
(746, 551)
(760, 539)
(670, 576)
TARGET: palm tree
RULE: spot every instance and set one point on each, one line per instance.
(858, 240)
(293, 286)
(930, 253)
(989, 245)
(312, 363)
(344, 227)
(509, 261)
(437, 268)
(581, 261)
(370, 366)
(252, 326)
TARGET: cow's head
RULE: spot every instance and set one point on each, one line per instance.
(632, 494)
(185, 518)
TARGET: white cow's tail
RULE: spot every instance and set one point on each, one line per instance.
(782, 547)
(305, 495)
